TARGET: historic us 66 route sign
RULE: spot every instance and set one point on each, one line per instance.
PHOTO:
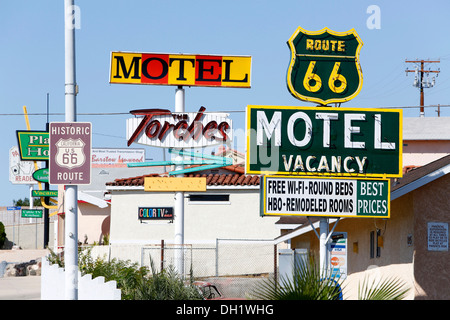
(70, 153)
(324, 66)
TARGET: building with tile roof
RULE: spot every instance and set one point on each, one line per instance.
(227, 212)
(413, 244)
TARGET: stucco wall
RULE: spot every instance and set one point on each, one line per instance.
(431, 204)
(203, 223)
(404, 253)
(91, 220)
(396, 255)
(421, 152)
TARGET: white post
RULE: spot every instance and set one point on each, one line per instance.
(179, 199)
(324, 226)
(31, 196)
(70, 201)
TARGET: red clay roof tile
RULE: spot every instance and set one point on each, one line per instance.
(236, 177)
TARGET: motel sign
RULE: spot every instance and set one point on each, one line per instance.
(324, 141)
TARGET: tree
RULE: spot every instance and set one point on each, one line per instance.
(26, 202)
(2, 235)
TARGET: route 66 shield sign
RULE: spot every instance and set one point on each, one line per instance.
(324, 66)
(70, 149)
(70, 153)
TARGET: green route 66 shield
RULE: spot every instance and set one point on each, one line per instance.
(324, 66)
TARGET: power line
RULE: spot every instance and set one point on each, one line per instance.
(222, 111)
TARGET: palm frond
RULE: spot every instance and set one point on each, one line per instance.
(387, 289)
(306, 283)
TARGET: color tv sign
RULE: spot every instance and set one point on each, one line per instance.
(180, 69)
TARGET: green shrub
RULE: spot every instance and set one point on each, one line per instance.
(166, 285)
(135, 283)
(2, 235)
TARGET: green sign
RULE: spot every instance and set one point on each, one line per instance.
(41, 175)
(330, 197)
(33, 145)
(324, 66)
(31, 213)
(324, 141)
(44, 193)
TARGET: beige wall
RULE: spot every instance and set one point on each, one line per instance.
(431, 204)
(425, 272)
(421, 152)
(92, 222)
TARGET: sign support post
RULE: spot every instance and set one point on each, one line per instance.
(70, 198)
(324, 226)
(179, 195)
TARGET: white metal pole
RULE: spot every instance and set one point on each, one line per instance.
(324, 226)
(179, 198)
(70, 201)
(31, 196)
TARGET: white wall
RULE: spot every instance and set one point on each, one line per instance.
(53, 285)
(204, 223)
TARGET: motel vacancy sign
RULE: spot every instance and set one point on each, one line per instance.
(330, 197)
(180, 69)
(324, 141)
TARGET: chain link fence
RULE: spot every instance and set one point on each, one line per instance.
(26, 233)
(235, 266)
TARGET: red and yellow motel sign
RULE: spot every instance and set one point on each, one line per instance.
(180, 69)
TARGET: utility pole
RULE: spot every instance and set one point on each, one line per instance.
(70, 196)
(419, 80)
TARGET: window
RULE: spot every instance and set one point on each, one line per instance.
(379, 244)
(372, 244)
(375, 246)
(209, 198)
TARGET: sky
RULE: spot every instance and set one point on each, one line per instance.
(32, 59)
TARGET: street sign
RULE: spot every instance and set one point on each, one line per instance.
(180, 69)
(338, 248)
(325, 197)
(44, 193)
(70, 153)
(324, 66)
(33, 145)
(13, 208)
(324, 141)
(31, 213)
